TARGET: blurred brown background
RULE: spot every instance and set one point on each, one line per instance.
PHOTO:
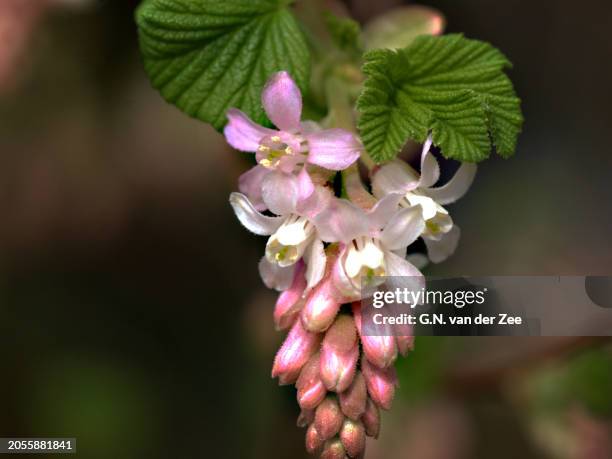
(132, 316)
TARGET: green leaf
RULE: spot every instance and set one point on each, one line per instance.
(449, 85)
(345, 32)
(206, 56)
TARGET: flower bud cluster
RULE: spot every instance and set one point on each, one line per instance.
(322, 250)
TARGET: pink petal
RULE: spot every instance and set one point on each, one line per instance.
(282, 101)
(316, 261)
(403, 229)
(334, 149)
(305, 185)
(252, 220)
(250, 184)
(438, 251)
(430, 170)
(341, 221)
(407, 275)
(242, 133)
(280, 192)
(382, 212)
(342, 282)
(316, 203)
(274, 276)
(456, 187)
(395, 177)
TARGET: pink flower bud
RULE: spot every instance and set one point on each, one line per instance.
(405, 344)
(333, 450)
(339, 354)
(311, 390)
(353, 437)
(371, 419)
(353, 400)
(380, 383)
(380, 350)
(305, 418)
(328, 418)
(290, 302)
(313, 440)
(321, 307)
(298, 347)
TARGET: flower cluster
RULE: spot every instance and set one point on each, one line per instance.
(321, 251)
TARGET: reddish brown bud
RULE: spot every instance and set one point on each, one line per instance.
(339, 354)
(311, 390)
(380, 383)
(313, 440)
(353, 400)
(297, 349)
(353, 437)
(290, 302)
(371, 419)
(328, 418)
(333, 450)
(305, 418)
(405, 344)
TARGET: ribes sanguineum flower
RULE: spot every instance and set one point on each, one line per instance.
(440, 234)
(296, 201)
(292, 146)
(371, 241)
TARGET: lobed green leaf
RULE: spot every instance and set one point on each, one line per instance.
(205, 56)
(450, 86)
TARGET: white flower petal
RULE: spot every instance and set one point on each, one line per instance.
(438, 251)
(341, 221)
(456, 187)
(316, 261)
(403, 229)
(429, 207)
(395, 177)
(274, 276)
(383, 211)
(251, 218)
(430, 170)
(398, 267)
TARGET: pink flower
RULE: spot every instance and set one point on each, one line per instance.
(296, 201)
(371, 242)
(293, 145)
(441, 236)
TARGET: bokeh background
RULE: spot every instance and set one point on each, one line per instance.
(131, 313)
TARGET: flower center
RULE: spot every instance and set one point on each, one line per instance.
(437, 220)
(271, 151)
(365, 260)
(288, 244)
